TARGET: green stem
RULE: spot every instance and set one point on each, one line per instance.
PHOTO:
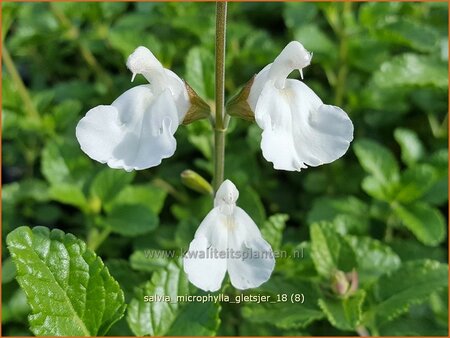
(220, 120)
(95, 238)
(179, 196)
(30, 109)
(86, 54)
(341, 78)
(438, 129)
(219, 156)
(389, 232)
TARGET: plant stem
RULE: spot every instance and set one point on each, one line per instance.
(86, 54)
(220, 120)
(30, 109)
(341, 79)
(219, 155)
(179, 196)
(95, 238)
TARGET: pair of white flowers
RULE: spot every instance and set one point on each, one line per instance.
(137, 131)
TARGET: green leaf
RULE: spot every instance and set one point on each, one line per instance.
(156, 318)
(282, 315)
(330, 251)
(273, 228)
(128, 278)
(371, 12)
(412, 283)
(54, 168)
(185, 232)
(410, 33)
(250, 201)
(131, 219)
(420, 325)
(397, 72)
(125, 40)
(377, 160)
(112, 10)
(15, 307)
(296, 14)
(146, 194)
(24, 190)
(197, 319)
(344, 314)
(200, 72)
(410, 144)
(438, 194)
(197, 209)
(285, 315)
(314, 39)
(8, 270)
(70, 291)
(377, 189)
(108, 183)
(425, 222)
(415, 182)
(70, 194)
(349, 214)
(373, 258)
(65, 114)
(63, 162)
(149, 260)
(411, 249)
(199, 135)
(9, 11)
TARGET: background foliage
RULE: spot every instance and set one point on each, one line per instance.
(381, 210)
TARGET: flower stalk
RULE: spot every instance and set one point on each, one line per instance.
(221, 121)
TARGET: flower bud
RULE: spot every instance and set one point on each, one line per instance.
(354, 281)
(95, 204)
(340, 283)
(345, 284)
(195, 182)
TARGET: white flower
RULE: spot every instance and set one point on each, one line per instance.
(228, 240)
(136, 130)
(298, 129)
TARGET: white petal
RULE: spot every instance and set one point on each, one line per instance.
(179, 93)
(258, 84)
(210, 238)
(273, 115)
(256, 261)
(99, 131)
(299, 129)
(326, 129)
(135, 132)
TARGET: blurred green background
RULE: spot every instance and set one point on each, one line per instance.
(385, 64)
